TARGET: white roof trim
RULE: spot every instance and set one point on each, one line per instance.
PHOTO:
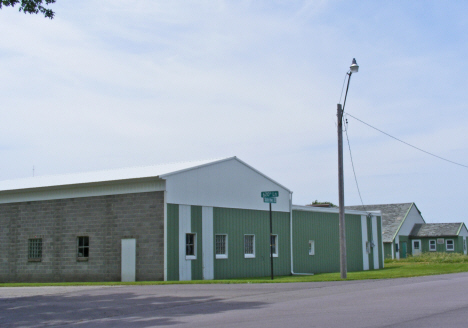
(332, 210)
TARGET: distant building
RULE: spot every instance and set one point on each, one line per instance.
(405, 231)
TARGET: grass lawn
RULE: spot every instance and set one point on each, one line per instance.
(424, 265)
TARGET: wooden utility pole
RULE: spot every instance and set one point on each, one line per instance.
(343, 264)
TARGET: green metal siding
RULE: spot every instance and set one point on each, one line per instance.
(196, 225)
(172, 242)
(388, 250)
(369, 238)
(238, 222)
(323, 228)
(379, 233)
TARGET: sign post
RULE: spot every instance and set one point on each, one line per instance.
(270, 197)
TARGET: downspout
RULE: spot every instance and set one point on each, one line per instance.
(291, 238)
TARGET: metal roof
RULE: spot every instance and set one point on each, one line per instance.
(393, 216)
(436, 229)
(105, 175)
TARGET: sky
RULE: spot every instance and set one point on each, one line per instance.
(111, 83)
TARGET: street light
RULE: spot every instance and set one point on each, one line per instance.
(354, 68)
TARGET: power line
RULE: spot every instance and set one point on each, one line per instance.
(424, 151)
(352, 163)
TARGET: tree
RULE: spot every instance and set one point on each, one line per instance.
(316, 202)
(30, 6)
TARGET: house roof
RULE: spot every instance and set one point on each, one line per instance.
(436, 229)
(393, 216)
(105, 175)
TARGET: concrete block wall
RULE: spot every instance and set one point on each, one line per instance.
(104, 219)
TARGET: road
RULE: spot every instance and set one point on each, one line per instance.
(434, 301)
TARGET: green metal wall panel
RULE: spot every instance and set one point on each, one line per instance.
(379, 233)
(323, 229)
(388, 250)
(238, 222)
(369, 238)
(172, 242)
(458, 244)
(196, 224)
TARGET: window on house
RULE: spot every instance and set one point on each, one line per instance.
(397, 248)
(249, 246)
(190, 246)
(311, 247)
(449, 245)
(35, 249)
(83, 247)
(440, 241)
(274, 245)
(416, 244)
(432, 245)
(221, 246)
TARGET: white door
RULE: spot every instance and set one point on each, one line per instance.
(416, 247)
(128, 259)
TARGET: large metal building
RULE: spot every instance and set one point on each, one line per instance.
(184, 221)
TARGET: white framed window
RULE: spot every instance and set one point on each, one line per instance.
(190, 246)
(432, 245)
(274, 245)
(449, 245)
(35, 249)
(221, 246)
(249, 246)
(311, 247)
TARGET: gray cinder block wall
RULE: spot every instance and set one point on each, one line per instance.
(104, 219)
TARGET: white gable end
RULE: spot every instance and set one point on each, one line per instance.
(412, 218)
(229, 183)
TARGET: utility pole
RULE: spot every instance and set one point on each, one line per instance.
(343, 264)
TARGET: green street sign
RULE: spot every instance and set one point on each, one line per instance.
(269, 199)
(269, 194)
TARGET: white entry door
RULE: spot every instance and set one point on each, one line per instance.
(416, 247)
(128, 259)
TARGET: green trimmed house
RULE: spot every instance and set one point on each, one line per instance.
(438, 237)
(182, 221)
(398, 221)
(404, 231)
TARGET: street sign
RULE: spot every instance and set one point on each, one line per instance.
(269, 194)
(269, 199)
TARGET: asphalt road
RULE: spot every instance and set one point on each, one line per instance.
(436, 301)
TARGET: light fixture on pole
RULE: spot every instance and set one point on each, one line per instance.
(354, 68)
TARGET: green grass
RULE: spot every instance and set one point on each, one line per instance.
(423, 265)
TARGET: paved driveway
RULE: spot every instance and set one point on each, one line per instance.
(437, 301)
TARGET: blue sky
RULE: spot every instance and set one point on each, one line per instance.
(110, 84)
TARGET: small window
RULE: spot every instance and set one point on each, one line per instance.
(221, 246)
(432, 245)
(416, 244)
(440, 241)
(397, 248)
(83, 247)
(311, 247)
(35, 249)
(449, 245)
(464, 244)
(249, 246)
(274, 245)
(190, 246)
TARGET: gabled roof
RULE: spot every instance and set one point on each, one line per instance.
(105, 175)
(393, 216)
(436, 229)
